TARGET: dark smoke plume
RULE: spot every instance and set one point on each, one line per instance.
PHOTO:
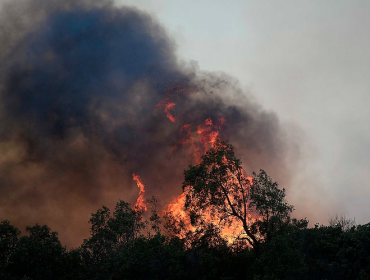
(85, 89)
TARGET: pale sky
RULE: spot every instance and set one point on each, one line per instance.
(308, 61)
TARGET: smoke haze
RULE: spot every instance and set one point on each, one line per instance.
(90, 94)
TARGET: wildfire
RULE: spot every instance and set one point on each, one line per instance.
(140, 202)
(229, 231)
(197, 140)
(209, 132)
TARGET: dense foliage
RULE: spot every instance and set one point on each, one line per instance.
(269, 245)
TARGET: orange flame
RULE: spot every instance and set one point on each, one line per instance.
(168, 104)
(197, 140)
(167, 107)
(209, 132)
(140, 202)
(229, 231)
(177, 211)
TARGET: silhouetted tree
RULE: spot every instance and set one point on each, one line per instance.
(39, 255)
(342, 222)
(109, 235)
(9, 236)
(334, 253)
(268, 201)
(217, 187)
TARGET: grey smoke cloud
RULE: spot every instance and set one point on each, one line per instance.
(83, 89)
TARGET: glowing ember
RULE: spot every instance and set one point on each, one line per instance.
(140, 202)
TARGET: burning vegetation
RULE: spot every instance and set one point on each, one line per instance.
(93, 103)
(224, 225)
(91, 94)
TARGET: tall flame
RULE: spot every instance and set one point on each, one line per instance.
(140, 202)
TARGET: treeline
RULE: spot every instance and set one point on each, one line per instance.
(265, 242)
(116, 250)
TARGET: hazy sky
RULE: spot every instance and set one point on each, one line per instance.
(309, 62)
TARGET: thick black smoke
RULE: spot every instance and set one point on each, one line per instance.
(84, 87)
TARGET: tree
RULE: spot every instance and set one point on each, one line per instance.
(9, 236)
(332, 252)
(268, 201)
(40, 255)
(218, 189)
(341, 221)
(110, 234)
